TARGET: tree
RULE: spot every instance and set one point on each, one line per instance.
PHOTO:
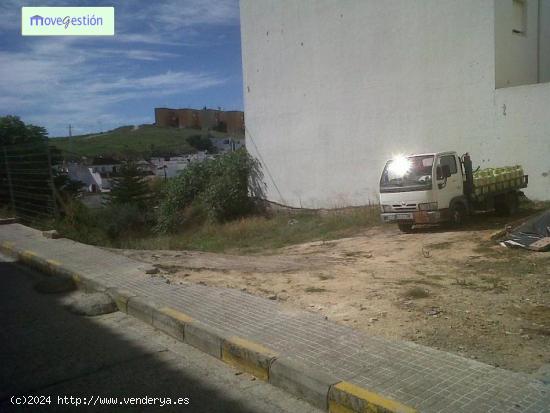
(27, 168)
(201, 143)
(13, 131)
(129, 188)
(25, 175)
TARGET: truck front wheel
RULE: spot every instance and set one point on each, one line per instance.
(458, 214)
(405, 227)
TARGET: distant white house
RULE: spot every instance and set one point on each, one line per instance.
(89, 176)
(170, 166)
(228, 144)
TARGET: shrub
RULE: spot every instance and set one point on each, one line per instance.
(226, 196)
(201, 143)
(179, 193)
(119, 220)
(223, 188)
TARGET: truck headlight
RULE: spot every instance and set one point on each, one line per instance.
(386, 208)
(429, 206)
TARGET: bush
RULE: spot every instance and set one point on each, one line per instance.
(103, 226)
(222, 188)
(80, 223)
(119, 220)
(201, 143)
(226, 196)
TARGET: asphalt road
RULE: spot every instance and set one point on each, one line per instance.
(47, 351)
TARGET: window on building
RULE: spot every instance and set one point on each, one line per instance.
(522, 42)
(519, 17)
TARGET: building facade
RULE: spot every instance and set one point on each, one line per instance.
(226, 121)
(334, 89)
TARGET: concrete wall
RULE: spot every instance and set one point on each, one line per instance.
(200, 119)
(333, 89)
(522, 123)
(166, 117)
(516, 54)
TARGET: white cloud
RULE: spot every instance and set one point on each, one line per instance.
(61, 83)
(192, 13)
(54, 81)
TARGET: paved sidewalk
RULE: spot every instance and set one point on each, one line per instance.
(412, 375)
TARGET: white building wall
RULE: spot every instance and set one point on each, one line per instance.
(516, 54)
(333, 89)
(523, 125)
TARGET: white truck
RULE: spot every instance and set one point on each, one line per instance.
(433, 188)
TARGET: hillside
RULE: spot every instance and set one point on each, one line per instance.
(126, 141)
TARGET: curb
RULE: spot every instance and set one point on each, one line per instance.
(248, 356)
(346, 397)
(316, 387)
(302, 381)
(7, 221)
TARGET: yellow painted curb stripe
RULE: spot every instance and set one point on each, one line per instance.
(235, 345)
(373, 401)
(178, 315)
(245, 365)
(250, 345)
(8, 245)
(53, 263)
(28, 254)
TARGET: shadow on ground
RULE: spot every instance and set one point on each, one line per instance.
(481, 221)
(45, 350)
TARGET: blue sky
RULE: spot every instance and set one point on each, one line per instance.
(174, 53)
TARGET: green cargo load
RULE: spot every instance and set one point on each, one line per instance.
(492, 180)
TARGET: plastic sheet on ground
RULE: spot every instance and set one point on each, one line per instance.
(533, 234)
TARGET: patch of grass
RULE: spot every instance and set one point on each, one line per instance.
(315, 290)
(259, 233)
(416, 292)
(494, 284)
(126, 142)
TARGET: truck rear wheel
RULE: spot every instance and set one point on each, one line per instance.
(507, 204)
(405, 227)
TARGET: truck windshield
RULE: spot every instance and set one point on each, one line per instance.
(412, 173)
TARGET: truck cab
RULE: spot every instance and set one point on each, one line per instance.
(426, 188)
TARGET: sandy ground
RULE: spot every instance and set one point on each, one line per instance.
(453, 290)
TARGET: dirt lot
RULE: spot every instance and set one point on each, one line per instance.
(453, 290)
